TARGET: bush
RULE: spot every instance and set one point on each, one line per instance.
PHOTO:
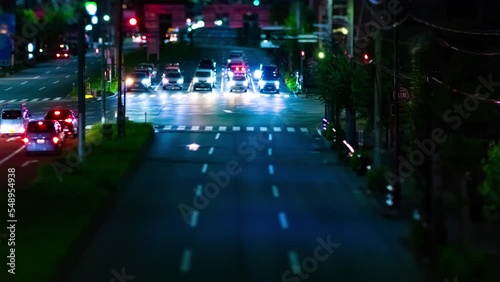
(375, 179)
(291, 82)
(466, 265)
(329, 131)
(490, 187)
(360, 160)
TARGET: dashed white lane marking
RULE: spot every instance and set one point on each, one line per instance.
(39, 76)
(217, 136)
(194, 218)
(222, 128)
(152, 95)
(195, 127)
(58, 68)
(24, 82)
(57, 98)
(23, 100)
(12, 154)
(269, 151)
(55, 82)
(181, 127)
(263, 129)
(167, 127)
(186, 260)
(290, 129)
(276, 193)
(211, 151)
(293, 259)
(271, 169)
(47, 72)
(67, 76)
(34, 100)
(250, 128)
(270, 137)
(277, 129)
(45, 99)
(236, 128)
(204, 168)
(1, 101)
(303, 129)
(209, 128)
(41, 88)
(12, 101)
(283, 220)
(198, 189)
(7, 89)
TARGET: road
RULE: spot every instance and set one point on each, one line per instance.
(239, 188)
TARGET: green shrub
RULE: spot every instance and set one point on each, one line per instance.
(466, 265)
(329, 131)
(360, 160)
(375, 179)
(490, 187)
(291, 82)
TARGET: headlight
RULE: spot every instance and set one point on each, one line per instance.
(165, 81)
(195, 79)
(181, 80)
(211, 79)
(231, 83)
(245, 83)
(277, 83)
(261, 84)
(230, 74)
(129, 81)
(228, 60)
(257, 74)
(145, 81)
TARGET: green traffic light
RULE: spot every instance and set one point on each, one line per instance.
(256, 3)
(321, 55)
(91, 8)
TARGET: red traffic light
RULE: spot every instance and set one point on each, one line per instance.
(302, 53)
(367, 59)
(132, 21)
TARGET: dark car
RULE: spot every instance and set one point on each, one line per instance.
(207, 64)
(264, 69)
(66, 118)
(62, 51)
(43, 136)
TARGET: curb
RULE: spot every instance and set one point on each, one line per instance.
(65, 268)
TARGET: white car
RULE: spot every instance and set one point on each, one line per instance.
(204, 79)
(138, 80)
(238, 83)
(269, 82)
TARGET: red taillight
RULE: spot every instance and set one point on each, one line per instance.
(144, 37)
(55, 139)
(65, 55)
(25, 140)
(69, 120)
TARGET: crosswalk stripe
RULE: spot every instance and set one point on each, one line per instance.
(303, 129)
(263, 129)
(131, 95)
(57, 98)
(181, 127)
(167, 127)
(45, 99)
(143, 95)
(290, 129)
(249, 128)
(174, 95)
(209, 128)
(277, 129)
(23, 100)
(1, 101)
(34, 100)
(12, 101)
(222, 128)
(236, 128)
(152, 95)
(286, 96)
(195, 127)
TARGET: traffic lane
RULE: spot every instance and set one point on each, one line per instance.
(321, 206)
(147, 217)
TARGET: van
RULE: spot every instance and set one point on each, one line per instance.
(14, 119)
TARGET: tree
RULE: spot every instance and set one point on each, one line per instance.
(490, 187)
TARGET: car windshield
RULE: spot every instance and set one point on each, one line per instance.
(202, 74)
(269, 76)
(138, 75)
(174, 75)
(270, 69)
(40, 127)
(235, 55)
(12, 114)
(239, 78)
(57, 114)
(146, 67)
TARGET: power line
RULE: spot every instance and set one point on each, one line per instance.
(475, 96)
(482, 32)
(485, 53)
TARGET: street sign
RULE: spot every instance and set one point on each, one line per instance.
(403, 94)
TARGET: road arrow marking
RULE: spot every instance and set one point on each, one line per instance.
(29, 162)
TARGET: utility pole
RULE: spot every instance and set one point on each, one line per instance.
(350, 27)
(119, 40)
(377, 103)
(298, 15)
(81, 81)
(101, 12)
(329, 10)
(397, 185)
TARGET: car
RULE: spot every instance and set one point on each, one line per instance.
(204, 79)
(66, 118)
(236, 55)
(151, 68)
(147, 71)
(265, 69)
(238, 83)
(141, 39)
(172, 80)
(138, 80)
(207, 64)
(269, 82)
(62, 51)
(43, 136)
(14, 119)
(235, 70)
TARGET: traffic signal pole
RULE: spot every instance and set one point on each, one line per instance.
(119, 40)
(101, 13)
(81, 82)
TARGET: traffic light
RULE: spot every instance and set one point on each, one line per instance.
(91, 8)
(367, 59)
(132, 21)
(302, 54)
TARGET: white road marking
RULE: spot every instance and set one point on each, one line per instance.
(222, 128)
(227, 111)
(198, 189)
(41, 88)
(47, 72)
(211, 151)
(152, 95)
(194, 218)
(263, 129)
(45, 99)
(157, 86)
(303, 129)
(58, 68)
(1, 101)
(217, 136)
(195, 127)
(271, 169)
(34, 100)
(209, 128)
(186, 260)
(12, 154)
(293, 259)
(23, 100)
(174, 95)
(7, 89)
(290, 129)
(167, 127)
(29, 162)
(24, 82)
(204, 168)
(269, 151)
(68, 76)
(76, 71)
(13, 138)
(283, 220)
(12, 101)
(236, 128)
(55, 82)
(181, 127)
(39, 76)
(270, 137)
(276, 193)
(277, 129)
(250, 128)
(57, 98)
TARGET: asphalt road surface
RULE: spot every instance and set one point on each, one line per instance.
(240, 187)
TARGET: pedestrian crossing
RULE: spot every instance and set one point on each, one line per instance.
(31, 100)
(208, 95)
(210, 128)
